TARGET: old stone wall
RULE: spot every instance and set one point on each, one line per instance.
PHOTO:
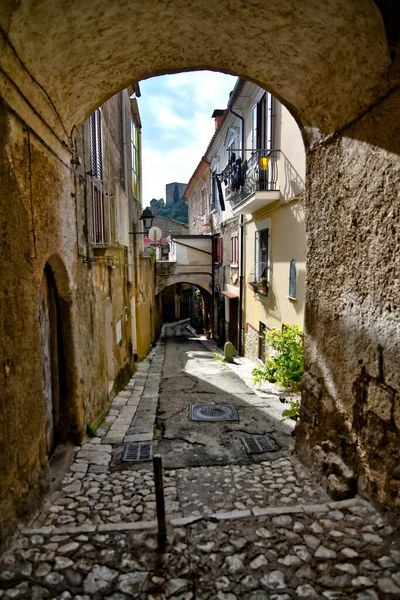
(38, 227)
(45, 220)
(352, 380)
(251, 342)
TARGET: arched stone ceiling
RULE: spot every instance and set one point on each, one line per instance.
(327, 61)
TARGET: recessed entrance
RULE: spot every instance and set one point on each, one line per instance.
(53, 363)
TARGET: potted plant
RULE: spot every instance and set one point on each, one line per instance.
(207, 333)
(263, 285)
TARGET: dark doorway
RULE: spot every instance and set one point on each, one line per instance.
(233, 321)
(54, 383)
(261, 350)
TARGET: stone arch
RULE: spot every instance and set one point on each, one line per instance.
(202, 281)
(328, 62)
(59, 386)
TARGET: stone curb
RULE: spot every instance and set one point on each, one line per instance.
(184, 521)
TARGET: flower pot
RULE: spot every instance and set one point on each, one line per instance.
(207, 334)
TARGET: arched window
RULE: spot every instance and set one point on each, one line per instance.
(292, 279)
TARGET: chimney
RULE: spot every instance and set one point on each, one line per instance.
(217, 115)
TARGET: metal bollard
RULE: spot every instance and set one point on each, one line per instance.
(160, 502)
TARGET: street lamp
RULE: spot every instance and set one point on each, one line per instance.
(147, 218)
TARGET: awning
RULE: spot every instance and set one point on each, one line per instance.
(230, 295)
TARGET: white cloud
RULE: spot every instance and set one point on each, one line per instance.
(165, 115)
(177, 125)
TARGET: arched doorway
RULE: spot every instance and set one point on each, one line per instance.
(54, 379)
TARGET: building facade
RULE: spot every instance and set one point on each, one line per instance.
(92, 313)
(247, 192)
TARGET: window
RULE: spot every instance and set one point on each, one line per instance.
(261, 258)
(234, 249)
(135, 160)
(203, 201)
(292, 279)
(262, 123)
(100, 216)
(218, 257)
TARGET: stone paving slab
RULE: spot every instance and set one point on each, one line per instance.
(118, 495)
(262, 531)
(352, 553)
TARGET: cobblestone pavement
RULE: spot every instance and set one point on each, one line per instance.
(262, 531)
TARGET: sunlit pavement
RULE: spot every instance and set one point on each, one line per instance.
(255, 527)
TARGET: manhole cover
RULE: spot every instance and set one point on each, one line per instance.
(213, 412)
(256, 444)
(137, 452)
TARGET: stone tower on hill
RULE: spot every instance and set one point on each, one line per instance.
(173, 192)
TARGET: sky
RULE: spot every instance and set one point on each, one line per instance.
(175, 111)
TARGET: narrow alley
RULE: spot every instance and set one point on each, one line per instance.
(251, 526)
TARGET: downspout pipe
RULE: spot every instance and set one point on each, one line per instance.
(212, 280)
(241, 222)
(241, 286)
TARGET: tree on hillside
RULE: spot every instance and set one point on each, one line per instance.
(177, 211)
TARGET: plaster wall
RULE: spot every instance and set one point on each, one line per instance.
(286, 242)
(198, 199)
(193, 251)
(148, 310)
(38, 226)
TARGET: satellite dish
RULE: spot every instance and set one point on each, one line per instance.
(155, 234)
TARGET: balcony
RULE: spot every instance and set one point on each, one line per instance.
(251, 179)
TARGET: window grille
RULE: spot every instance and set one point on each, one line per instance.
(100, 215)
(96, 154)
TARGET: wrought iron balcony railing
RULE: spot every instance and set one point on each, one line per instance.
(249, 171)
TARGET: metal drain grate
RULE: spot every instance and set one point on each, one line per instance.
(137, 452)
(213, 412)
(256, 444)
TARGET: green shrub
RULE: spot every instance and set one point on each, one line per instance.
(285, 361)
(91, 430)
(293, 412)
